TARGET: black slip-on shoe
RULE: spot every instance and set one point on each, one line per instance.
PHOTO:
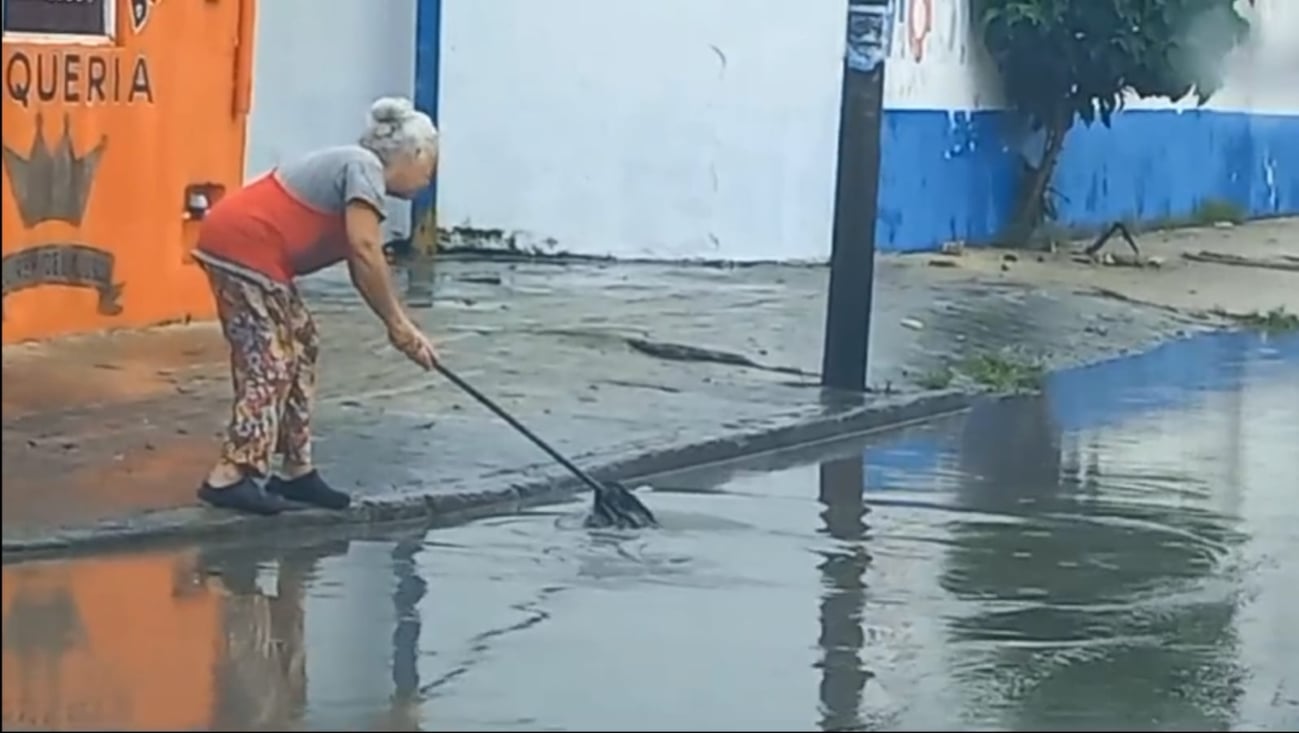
(245, 495)
(309, 488)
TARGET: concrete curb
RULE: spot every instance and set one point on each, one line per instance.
(197, 523)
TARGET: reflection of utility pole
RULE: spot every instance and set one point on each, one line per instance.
(410, 590)
(844, 599)
(852, 255)
(1234, 470)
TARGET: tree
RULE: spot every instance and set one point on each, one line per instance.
(1066, 60)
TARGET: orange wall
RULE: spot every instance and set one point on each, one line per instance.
(165, 105)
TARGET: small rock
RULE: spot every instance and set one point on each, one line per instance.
(1010, 257)
(1041, 258)
(913, 323)
(940, 262)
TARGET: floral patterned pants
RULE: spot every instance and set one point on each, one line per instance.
(273, 348)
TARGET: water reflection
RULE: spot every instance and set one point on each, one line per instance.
(209, 639)
(1112, 614)
(126, 643)
(843, 600)
(410, 590)
(260, 670)
(1116, 554)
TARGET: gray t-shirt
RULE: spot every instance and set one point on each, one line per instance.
(326, 181)
(329, 179)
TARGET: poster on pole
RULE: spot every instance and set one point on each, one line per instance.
(868, 34)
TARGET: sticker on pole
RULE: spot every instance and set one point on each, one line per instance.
(868, 35)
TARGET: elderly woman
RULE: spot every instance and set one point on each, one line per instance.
(299, 218)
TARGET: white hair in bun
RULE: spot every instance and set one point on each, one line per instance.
(397, 128)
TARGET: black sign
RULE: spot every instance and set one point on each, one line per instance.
(71, 265)
(76, 17)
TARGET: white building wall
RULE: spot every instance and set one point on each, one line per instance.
(671, 129)
(318, 65)
(707, 129)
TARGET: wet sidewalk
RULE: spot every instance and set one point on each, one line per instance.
(106, 436)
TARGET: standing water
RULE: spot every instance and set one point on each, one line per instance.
(1119, 553)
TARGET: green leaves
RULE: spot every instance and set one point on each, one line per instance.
(1062, 60)
(1066, 59)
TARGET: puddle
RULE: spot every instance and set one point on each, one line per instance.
(1119, 553)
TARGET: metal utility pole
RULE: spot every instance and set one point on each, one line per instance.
(852, 257)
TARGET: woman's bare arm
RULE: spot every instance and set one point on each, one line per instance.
(369, 267)
(371, 276)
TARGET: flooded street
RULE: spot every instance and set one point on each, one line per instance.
(1121, 552)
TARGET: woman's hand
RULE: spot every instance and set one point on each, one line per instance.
(409, 340)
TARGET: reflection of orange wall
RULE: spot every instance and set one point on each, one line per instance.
(188, 128)
(114, 644)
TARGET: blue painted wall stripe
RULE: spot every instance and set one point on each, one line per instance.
(428, 60)
(951, 175)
